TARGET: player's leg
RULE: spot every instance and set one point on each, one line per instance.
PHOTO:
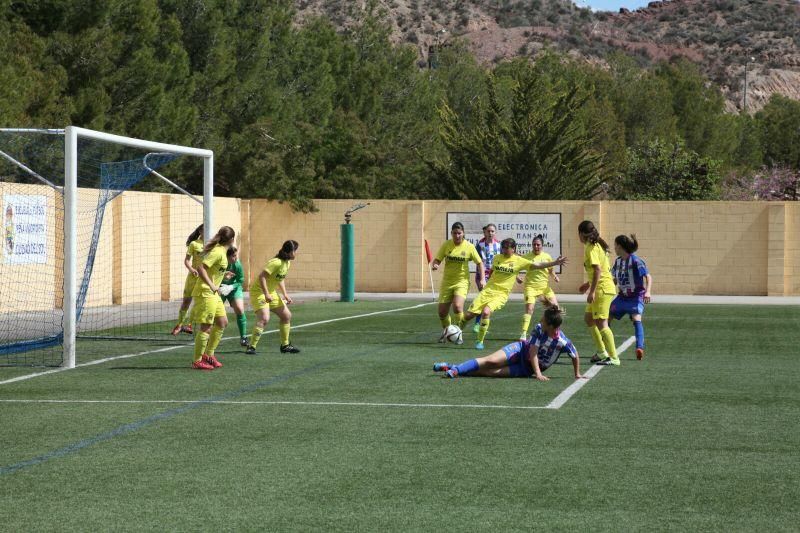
(486, 319)
(285, 316)
(220, 323)
(237, 304)
(458, 307)
(261, 310)
(600, 312)
(600, 349)
(203, 315)
(530, 305)
(482, 366)
(638, 329)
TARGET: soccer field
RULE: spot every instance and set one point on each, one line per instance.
(357, 433)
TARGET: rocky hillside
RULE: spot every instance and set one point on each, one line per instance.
(721, 36)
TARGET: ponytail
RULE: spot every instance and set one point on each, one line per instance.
(286, 251)
(224, 236)
(629, 244)
(588, 229)
(193, 236)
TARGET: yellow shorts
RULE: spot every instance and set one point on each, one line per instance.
(446, 293)
(493, 300)
(532, 293)
(207, 308)
(601, 304)
(188, 285)
(260, 302)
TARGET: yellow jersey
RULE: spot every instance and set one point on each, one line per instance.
(195, 251)
(276, 270)
(216, 262)
(456, 260)
(593, 254)
(504, 272)
(538, 278)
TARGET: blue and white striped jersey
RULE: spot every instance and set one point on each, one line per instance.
(548, 348)
(487, 251)
(630, 274)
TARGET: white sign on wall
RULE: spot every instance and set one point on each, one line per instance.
(522, 227)
(25, 229)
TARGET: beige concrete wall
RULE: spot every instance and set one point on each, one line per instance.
(724, 248)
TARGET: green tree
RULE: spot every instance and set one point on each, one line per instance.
(779, 128)
(667, 171)
(530, 147)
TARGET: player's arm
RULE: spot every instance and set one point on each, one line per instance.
(282, 287)
(187, 262)
(440, 255)
(262, 281)
(561, 260)
(648, 284)
(479, 275)
(537, 372)
(203, 273)
(593, 283)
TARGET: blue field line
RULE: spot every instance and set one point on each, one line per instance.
(135, 426)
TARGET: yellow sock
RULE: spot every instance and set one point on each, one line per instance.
(598, 339)
(213, 339)
(284, 329)
(445, 321)
(200, 343)
(182, 316)
(256, 336)
(484, 329)
(462, 321)
(526, 323)
(608, 340)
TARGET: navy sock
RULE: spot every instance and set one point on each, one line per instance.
(467, 366)
(639, 329)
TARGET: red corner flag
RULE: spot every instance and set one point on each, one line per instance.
(428, 253)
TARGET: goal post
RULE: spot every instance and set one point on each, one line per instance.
(97, 167)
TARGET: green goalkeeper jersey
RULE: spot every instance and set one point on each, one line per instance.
(238, 274)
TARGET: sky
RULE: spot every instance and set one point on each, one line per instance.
(612, 5)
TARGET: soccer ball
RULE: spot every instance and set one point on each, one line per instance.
(453, 334)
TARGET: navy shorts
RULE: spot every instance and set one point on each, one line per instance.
(622, 306)
(518, 365)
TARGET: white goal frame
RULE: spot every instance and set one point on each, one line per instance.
(71, 136)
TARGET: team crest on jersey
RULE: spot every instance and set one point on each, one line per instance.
(463, 254)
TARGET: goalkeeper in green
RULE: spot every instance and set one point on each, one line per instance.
(235, 276)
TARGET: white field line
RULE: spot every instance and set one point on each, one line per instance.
(170, 348)
(286, 402)
(559, 401)
(570, 391)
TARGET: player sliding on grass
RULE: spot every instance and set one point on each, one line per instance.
(456, 254)
(633, 282)
(522, 359)
(209, 310)
(264, 297)
(194, 251)
(505, 267)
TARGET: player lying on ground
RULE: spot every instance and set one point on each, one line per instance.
(523, 359)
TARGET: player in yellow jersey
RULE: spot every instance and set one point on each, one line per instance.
(600, 292)
(505, 267)
(209, 310)
(456, 254)
(537, 284)
(194, 250)
(264, 297)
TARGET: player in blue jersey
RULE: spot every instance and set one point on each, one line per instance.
(523, 359)
(488, 247)
(633, 286)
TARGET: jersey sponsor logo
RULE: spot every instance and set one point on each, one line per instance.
(456, 258)
(506, 269)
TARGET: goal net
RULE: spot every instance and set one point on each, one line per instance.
(94, 239)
